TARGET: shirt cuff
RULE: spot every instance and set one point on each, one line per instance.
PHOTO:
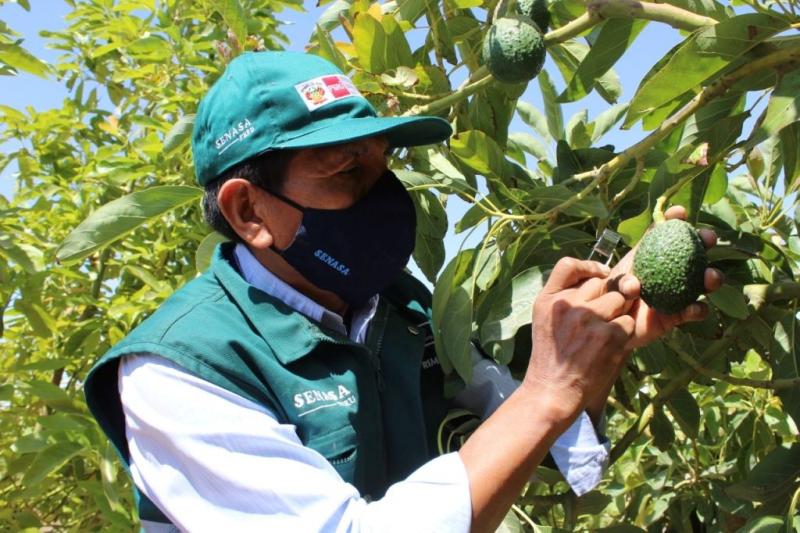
(581, 455)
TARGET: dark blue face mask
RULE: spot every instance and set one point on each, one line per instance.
(358, 251)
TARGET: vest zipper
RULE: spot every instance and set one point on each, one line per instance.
(379, 321)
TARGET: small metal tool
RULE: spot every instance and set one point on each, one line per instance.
(606, 245)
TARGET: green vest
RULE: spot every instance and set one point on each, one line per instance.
(371, 410)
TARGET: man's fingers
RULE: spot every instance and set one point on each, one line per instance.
(694, 312)
(627, 284)
(569, 271)
(592, 288)
(609, 306)
(713, 279)
(676, 211)
(709, 237)
(627, 323)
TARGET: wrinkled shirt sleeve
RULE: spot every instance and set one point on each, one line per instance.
(580, 453)
(214, 461)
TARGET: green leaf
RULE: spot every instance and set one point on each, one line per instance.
(763, 524)
(42, 323)
(686, 412)
(703, 54)
(47, 392)
(466, 4)
(370, 42)
(616, 36)
(510, 524)
(431, 216)
(234, 16)
(662, 430)
(329, 19)
(151, 48)
(429, 252)
(577, 131)
(552, 110)
(790, 150)
(568, 56)
(633, 228)
(557, 195)
(429, 255)
(451, 320)
(121, 216)
(49, 460)
(773, 477)
(512, 309)
(783, 108)
(19, 58)
(607, 119)
(180, 133)
(205, 250)
(533, 118)
(398, 52)
(479, 151)
(529, 144)
(717, 185)
(730, 301)
(16, 254)
(328, 49)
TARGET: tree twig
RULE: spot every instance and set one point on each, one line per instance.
(599, 10)
(713, 351)
(782, 57)
(774, 384)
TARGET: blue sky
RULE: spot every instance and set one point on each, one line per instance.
(27, 90)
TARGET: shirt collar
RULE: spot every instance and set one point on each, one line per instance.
(258, 276)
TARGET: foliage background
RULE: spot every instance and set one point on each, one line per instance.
(703, 424)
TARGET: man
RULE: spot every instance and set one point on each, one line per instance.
(293, 386)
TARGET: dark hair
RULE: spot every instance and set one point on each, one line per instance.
(265, 171)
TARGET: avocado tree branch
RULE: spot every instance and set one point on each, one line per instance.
(462, 93)
(717, 348)
(599, 10)
(596, 12)
(761, 294)
(774, 384)
(789, 56)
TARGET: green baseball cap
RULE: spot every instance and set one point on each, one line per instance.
(278, 100)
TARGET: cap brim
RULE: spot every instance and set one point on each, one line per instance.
(399, 131)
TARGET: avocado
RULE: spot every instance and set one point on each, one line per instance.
(513, 49)
(537, 11)
(670, 264)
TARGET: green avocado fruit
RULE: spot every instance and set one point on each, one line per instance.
(513, 50)
(670, 264)
(537, 11)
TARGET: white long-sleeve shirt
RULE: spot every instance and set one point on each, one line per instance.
(209, 458)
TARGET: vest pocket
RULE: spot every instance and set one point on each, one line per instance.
(340, 449)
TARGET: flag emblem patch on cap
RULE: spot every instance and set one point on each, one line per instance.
(324, 90)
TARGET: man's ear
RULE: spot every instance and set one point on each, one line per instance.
(243, 206)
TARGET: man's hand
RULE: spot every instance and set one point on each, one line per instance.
(580, 330)
(650, 324)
